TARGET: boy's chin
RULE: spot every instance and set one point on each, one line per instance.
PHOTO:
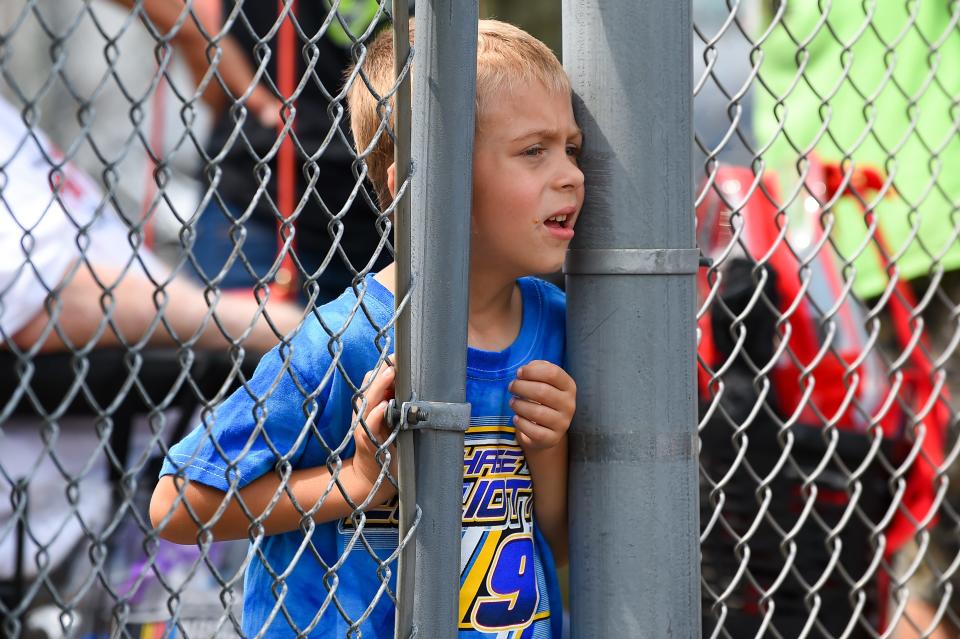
(536, 264)
(547, 267)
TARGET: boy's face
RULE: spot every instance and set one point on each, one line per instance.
(527, 188)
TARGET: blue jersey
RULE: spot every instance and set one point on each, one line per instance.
(297, 406)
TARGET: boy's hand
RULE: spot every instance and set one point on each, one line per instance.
(365, 463)
(546, 398)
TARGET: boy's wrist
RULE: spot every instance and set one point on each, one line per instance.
(359, 483)
(536, 451)
(357, 479)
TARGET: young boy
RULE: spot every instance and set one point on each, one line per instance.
(289, 431)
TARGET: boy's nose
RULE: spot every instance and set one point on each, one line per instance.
(571, 177)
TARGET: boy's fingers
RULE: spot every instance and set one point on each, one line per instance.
(376, 415)
(376, 411)
(522, 439)
(534, 432)
(542, 371)
(541, 393)
(383, 380)
(535, 412)
(376, 389)
(375, 421)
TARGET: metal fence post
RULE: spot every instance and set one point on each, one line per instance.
(443, 109)
(406, 468)
(631, 337)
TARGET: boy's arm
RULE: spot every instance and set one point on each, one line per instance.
(174, 498)
(170, 515)
(546, 399)
(548, 468)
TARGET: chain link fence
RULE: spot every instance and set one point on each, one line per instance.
(826, 135)
(179, 192)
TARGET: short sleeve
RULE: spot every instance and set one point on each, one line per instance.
(35, 234)
(40, 233)
(259, 424)
(554, 318)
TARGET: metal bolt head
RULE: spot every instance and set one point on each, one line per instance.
(393, 413)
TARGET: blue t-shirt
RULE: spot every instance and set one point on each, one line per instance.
(297, 407)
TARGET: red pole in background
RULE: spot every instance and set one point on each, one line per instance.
(285, 284)
(158, 117)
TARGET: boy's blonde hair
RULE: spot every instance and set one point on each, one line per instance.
(507, 57)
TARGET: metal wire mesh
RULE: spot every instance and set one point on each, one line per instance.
(828, 319)
(130, 313)
(827, 323)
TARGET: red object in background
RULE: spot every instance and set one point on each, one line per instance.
(285, 284)
(814, 382)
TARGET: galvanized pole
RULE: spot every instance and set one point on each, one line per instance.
(634, 535)
(444, 86)
(406, 469)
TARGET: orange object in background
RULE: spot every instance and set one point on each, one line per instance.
(285, 283)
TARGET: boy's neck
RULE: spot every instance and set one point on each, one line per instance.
(496, 311)
(387, 276)
(496, 308)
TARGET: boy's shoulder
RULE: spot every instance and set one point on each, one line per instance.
(548, 306)
(345, 327)
(553, 300)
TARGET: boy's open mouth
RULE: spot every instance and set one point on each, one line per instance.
(557, 221)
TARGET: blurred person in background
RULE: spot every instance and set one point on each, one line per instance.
(257, 183)
(74, 277)
(78, 276)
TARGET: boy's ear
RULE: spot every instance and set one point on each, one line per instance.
(392, 179)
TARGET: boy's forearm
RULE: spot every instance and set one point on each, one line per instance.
(548, 468)
(307, 486)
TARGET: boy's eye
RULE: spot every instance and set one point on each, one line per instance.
(534, 151)
(573, 150)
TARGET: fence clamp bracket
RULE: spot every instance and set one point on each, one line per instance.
(420, 415)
